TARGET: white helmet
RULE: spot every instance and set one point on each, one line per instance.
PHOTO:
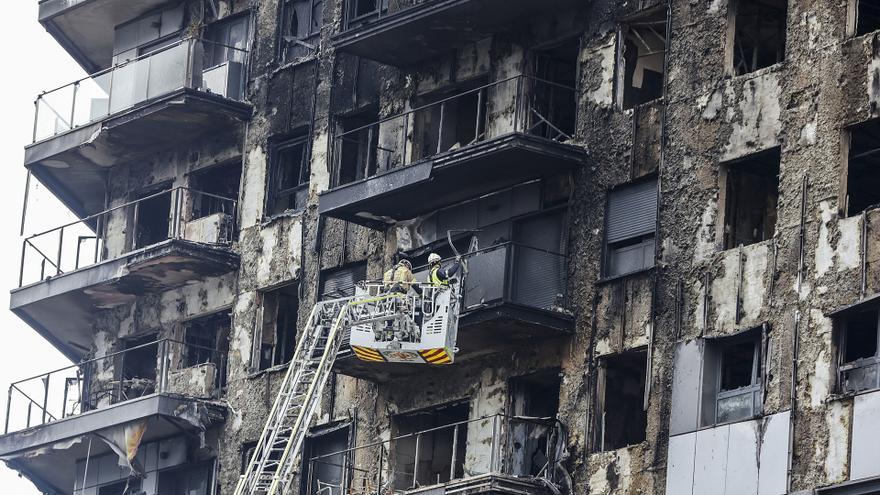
(434, 258)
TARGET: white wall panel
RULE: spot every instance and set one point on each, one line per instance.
(865, 462)
(710, 470)
(773, 477)
(742, 457)
(680, 464)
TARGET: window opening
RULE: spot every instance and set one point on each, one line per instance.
(867, 14)
(533, 396)
(302, 26)
(290, 175)
(325, 462)
(341, 282)
(131, 486)
(207, 341)
(278, 331)
(451, 119)
(752, 196)
(733, 378)
(863, 168)
(858, 347)
(221, 180)
(188, 480)
(622, 419)
(630, 225)
(435, 455)
(152, 218)
(554, 109)
(643, 58)
(358, 147)
(758, 34)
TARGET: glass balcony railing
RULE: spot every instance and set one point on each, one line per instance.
(529, 448)
(162, 366)
(519, 104)
(177, 213)
(189, 63)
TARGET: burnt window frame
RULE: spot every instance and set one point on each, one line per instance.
(853, 18)
(742, 167)
(601, 397)
(623, 28)
(310, 41)
(354, 19)
(641, 240)
(314, 436)
(848, 177)
(276, 360)
(731, 66)
(274, 191)
(461, 425)
(353, 267)
(714, 365)
(843, 366)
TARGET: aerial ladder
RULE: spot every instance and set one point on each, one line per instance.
(380, 325)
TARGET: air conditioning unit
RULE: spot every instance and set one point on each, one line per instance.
(225, 79)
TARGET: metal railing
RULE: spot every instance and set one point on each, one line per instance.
(519, 104)
(500, 445)
(361, 12)
(115, 378)
(120, 230)
(189, 63)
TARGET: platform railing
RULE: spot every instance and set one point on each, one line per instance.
(189, 63)
(117, 231)
(519, 104)
(161, 366)
(493, 445)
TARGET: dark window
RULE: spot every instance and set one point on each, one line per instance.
(226, 41)
(188, 480)
(630, 225)
(732, 387)
(341, 282)
(325, 462)
(357, 147)
(642, 58)
(533, 396)
(207, 341)
(215, 189)
(302, 26)
(152, 217)
(863, 174)
(364, 10)
(752, 194)
(450, 119)
(131, 486)
(758, 34)
(278, 331)
(867, 14)
(138, 364)
(435, 430)
(289, 182)
(554, 105)
(859, 358)
(621, 417)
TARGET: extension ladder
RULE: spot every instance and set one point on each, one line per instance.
(272, 465)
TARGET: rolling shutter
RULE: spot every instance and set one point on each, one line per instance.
(632, 212)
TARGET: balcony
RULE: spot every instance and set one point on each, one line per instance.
(173, 95)
(157, 243)
(512, 296)
(164, 387)
(86, 28)
(474, 143)
(492, 455)
(373, 29)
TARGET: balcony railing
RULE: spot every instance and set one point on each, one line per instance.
(495, 445)
(519, 104)
(162, 366)
(189, 63)
(510, 272)
(120, 230)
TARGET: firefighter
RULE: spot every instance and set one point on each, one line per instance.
(400, 277)
(437, 274)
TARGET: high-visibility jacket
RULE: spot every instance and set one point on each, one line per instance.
(434, 277)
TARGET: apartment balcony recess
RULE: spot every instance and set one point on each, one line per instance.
(491, 455)
(512, 297)
(159, 242)
(374, 28)
(163, 387)
(172, 95)
(458, 148)
(86, 28)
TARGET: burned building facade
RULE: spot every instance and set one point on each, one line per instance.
(667, 212)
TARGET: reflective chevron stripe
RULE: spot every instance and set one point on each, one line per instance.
(366, 354)
(436, 356)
